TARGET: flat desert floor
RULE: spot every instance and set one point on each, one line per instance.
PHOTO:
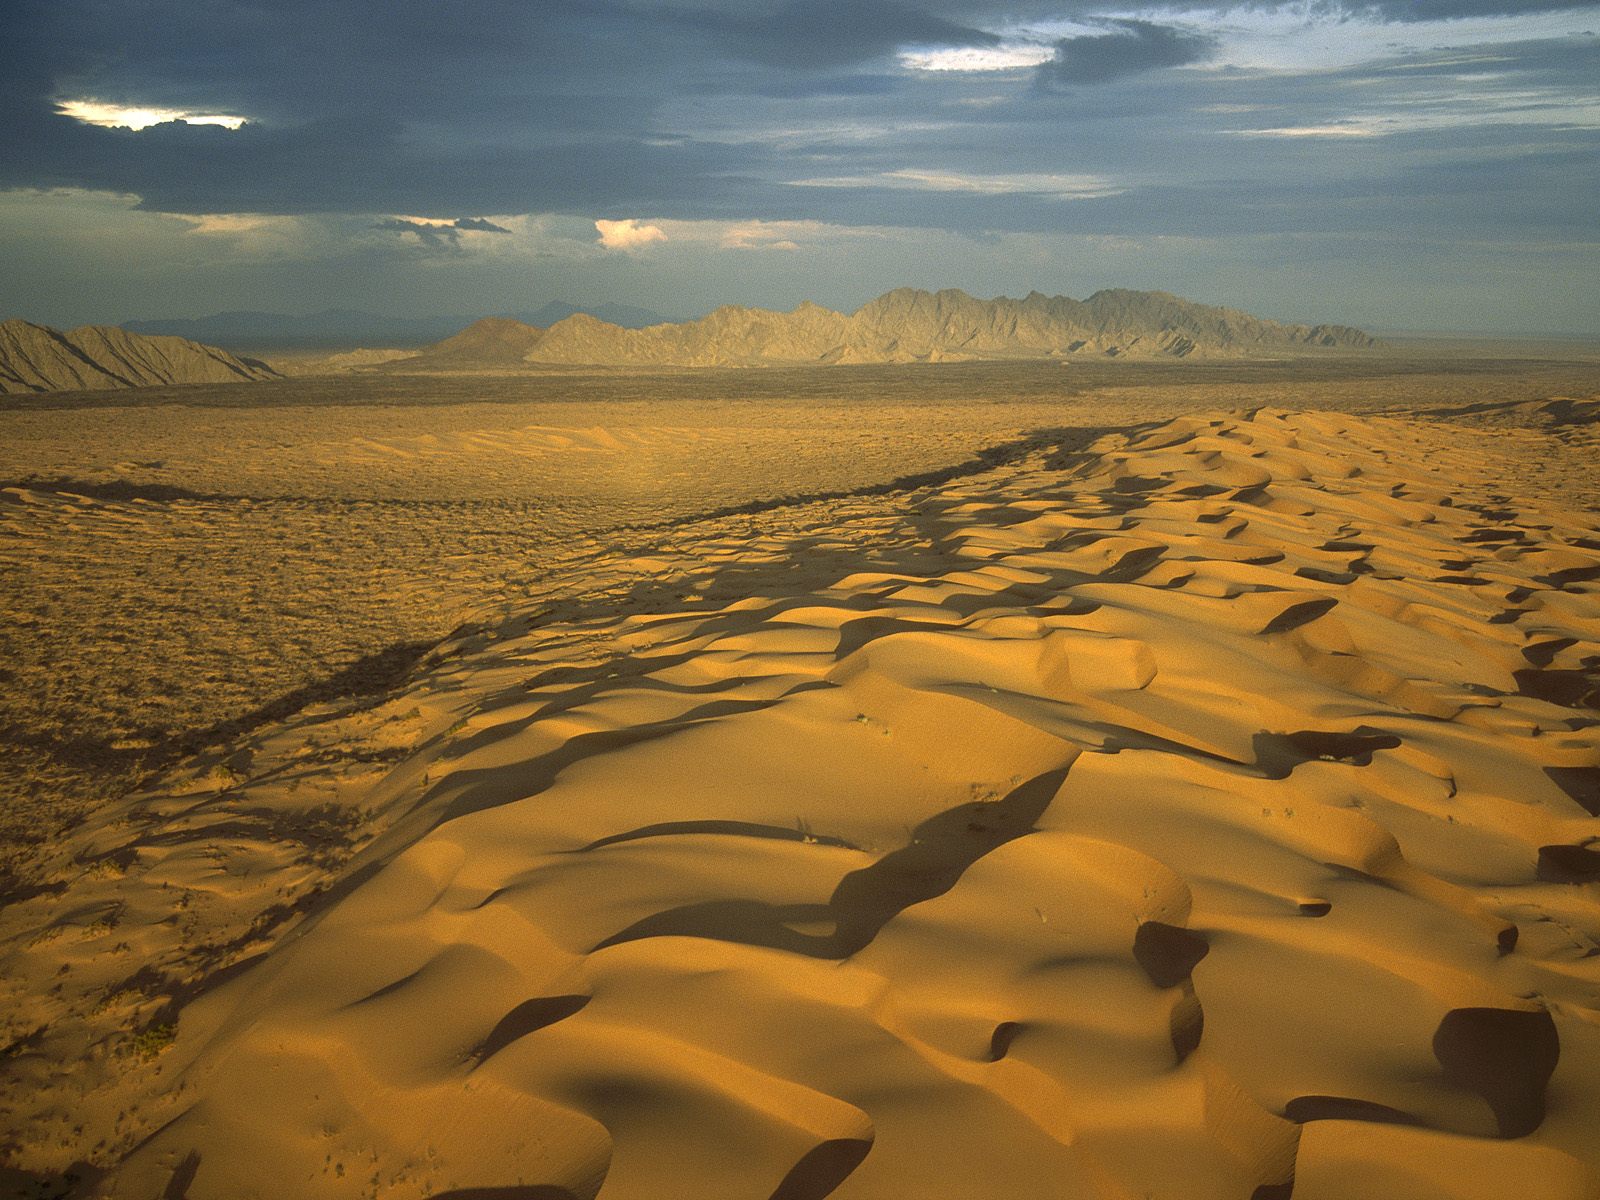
(967, 781)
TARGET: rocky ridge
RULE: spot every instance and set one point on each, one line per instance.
(903, 326)
(37, 358)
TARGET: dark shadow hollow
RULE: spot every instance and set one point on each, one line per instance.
(822, 1169)
(940, 851)
(1504, 1055)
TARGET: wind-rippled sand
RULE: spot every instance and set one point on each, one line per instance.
(1206, 810)
(173, 575)
(178, 565)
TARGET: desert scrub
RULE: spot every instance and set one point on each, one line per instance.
(117, 998)
(222, 776)
(151, 1041)
(108, 920)
(218, 778)
(112, 866)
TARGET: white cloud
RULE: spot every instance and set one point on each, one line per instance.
(116, 116)
(1443, 110)
(782, 235)
(1056, 187)
(628, 234)
(756, 234)
(1294, 37)
(1303, 37)
(431, 222)
(1008, 56)
(260, 236)
(1308, 131)
(238, 224)
(762, 235)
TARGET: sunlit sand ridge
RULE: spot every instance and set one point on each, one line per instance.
(1208, 813)
(267, 555)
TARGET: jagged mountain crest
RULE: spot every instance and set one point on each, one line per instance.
(911, 325)
(905, 325)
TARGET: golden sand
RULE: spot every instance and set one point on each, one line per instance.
(1205, 809)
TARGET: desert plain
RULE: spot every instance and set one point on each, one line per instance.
(1114, 780)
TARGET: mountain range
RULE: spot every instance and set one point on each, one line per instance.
(341, 328)
(36, 358)
(902, 326)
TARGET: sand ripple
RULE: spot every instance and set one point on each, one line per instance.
(1209, 815)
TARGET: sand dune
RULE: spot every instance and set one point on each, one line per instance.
(267, 553)
(1208, 814)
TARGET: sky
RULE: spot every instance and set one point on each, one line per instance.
(1397, 165)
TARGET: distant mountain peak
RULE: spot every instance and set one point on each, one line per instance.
(489, 340)
(37, 358)
(912, 325)
(334, 328)
(904, 325)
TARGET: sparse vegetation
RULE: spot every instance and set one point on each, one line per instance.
(151, 1042)
(256, 857)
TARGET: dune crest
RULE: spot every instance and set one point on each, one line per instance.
(1206, 813)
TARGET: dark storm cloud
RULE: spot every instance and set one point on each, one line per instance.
(984, 13)
(1433, 191)
(355, 165)
(572, 64)
(406, 105)
(483, 61)
(446, 236)
(807, 34)
(435, 237)
(1228, 153)
(1190, 172)
(702, 109)
(1128, 48)
(814, 86)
